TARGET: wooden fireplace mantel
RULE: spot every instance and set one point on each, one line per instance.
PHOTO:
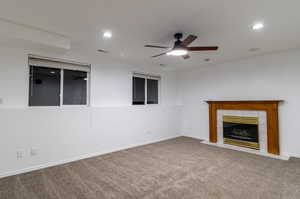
(270, 106)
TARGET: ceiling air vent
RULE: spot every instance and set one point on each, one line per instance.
(102, 51)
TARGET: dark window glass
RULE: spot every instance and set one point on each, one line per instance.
(75, 87)
(138, 95)
(44, 86)
(152, 91)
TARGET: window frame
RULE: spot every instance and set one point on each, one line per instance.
(30, 86)
(62, 69)
(146, 77)
(87, 91)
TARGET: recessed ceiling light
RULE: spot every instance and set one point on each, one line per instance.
(107, 35)
(258, 26)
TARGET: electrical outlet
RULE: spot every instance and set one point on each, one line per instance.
(20, 154)
(33, 152)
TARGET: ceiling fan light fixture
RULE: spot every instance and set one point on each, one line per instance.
(178, 52)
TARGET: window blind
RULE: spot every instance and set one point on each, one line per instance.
(147, 76)
(57, 63)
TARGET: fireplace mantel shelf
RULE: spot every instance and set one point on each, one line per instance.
(270, 106)
(244, 101)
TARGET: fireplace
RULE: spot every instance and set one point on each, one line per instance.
(269, 106)
(241, 131)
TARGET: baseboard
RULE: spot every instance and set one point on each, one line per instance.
(294, 155)
(52, 164)
(195, 138)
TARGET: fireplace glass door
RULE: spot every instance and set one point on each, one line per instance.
(241, 131)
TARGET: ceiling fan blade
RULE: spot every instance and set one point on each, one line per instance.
(186, 56)
(188, 40)
(152, 46)
(159, 55)
(202, 48)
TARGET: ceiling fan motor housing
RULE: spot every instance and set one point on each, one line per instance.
(178, 42)
(178, 45)
(178, 36)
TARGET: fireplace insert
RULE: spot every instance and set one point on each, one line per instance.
(241, 131)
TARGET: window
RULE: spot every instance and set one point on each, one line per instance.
(152, 91)
(54, 83)
(75, 87)
(44, 86)
(138, 91)
(145, 89)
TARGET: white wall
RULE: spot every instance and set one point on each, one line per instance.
(274, 76)
(64, 134)
(111, 123)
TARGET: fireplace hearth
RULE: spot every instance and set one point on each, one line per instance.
(241, 131)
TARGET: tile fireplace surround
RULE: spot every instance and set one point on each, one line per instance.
(262, 126)
(266, 110)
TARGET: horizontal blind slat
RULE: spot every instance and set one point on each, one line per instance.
(147, 76)
(57, 64)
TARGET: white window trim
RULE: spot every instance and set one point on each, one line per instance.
(146, 77)
(62, 65)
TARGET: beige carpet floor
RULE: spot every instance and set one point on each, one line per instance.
(180, 168)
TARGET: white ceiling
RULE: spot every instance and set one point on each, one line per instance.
(135, 23)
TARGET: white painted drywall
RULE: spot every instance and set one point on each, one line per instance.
(19, 34)
(63, 134)
(273, 76)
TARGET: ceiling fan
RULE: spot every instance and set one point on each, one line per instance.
(181, 48)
